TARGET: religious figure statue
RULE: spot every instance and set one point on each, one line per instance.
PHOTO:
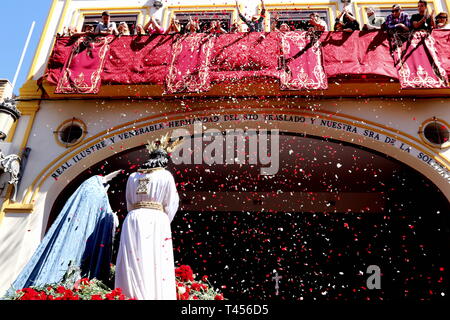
(145, 263)
(81, 238)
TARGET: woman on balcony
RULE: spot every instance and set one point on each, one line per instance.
(216, 27)
(123, 29)
(192, 26)
(373, 22)
(348, 23)
(256, 22)
(316, 23)
(152, 27)
(442, 21)
(174, 27)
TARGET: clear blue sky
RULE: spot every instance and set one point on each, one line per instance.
(16, 17)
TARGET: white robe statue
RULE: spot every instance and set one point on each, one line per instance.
(145, 265)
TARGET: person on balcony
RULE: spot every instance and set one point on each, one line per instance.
(373, 22)
(284, 27)
(174, 26)
(256, 23)
(423, 20)
(192, 26)
(442, 21)
(348, 22)
(153, 26)
(89, 29)
(235, 27)
(398, 20)
(216, 27)
(106, 27)
(316, 23)
(123, 29)
(274, 21)
(72, 31)
(338, 26)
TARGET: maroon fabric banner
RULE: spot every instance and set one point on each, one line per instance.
(82, 71)
(192, 63)
(417, 63)
(61, 52)
(189, 68)
(358, 53)
(302, 62)
(138, 60)
(442, 45)
(239, 56)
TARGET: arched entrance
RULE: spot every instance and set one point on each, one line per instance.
(332, 210)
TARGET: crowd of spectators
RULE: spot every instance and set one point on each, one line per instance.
(398, 20)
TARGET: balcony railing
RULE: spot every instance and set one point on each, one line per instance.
(289, 62)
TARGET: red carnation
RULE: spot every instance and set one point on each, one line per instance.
(218, 297)
(109, 296)
(196, 286)
(60, 289)
(185, 273)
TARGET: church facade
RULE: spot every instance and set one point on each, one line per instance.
(361, 154)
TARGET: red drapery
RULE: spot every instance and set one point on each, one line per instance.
(357, 53)
(138, 60)
(417, 62)
(83, 69)
(191, 63)
(238, 56)
(189, 66)
(301, 62)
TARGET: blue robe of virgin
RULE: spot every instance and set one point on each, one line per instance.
(81, 235)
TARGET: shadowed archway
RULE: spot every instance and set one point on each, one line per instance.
(332, 210)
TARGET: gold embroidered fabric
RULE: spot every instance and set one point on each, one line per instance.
(150, 170)
(148, 205)
(89, 81)
(143, 186)
(314, 80)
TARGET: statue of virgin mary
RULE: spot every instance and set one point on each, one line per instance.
(80, 238)
(145, 265)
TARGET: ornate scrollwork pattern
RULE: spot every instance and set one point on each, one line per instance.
(70, 83)
(302, 80)
(193, 79)
(434, 77)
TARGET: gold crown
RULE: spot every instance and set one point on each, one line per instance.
(164, 143)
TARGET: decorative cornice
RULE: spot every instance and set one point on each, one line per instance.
(30, 90)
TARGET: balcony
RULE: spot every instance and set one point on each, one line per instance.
(250, 64)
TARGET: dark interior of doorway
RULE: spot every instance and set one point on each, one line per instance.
(320, 254)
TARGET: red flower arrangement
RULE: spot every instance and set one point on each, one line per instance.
(189, 289)
(184, 273)
(85, 289)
